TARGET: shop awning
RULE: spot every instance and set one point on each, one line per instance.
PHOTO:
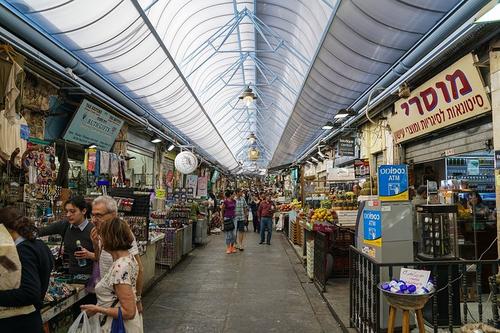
(189, 61)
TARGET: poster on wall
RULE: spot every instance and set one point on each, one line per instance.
(92, 124)
(341, 174)
(346, 146)
(454, 95)
(361, 167)
(192, 182)
(393, 182)
(202, 186)
(372, 226)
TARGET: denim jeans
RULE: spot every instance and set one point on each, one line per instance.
(230, 235)
(266, 222)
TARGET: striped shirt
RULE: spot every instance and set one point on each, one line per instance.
(241, 205)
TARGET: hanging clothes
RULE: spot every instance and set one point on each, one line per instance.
(11, 94)
(114, 165)
(104, 162)
(91, 161)
(10, 135)
(63, 173)
(97, 170)
(8, 57)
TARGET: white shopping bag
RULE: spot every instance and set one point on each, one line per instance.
(250, 216)
(87, 326)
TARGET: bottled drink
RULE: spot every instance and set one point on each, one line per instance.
(81, 262)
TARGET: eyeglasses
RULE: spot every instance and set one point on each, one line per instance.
(99, 215)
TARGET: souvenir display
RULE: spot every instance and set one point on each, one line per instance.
(39, 164)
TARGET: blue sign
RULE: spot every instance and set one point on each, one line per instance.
(92, 124)
(372, 225)
(393, 182)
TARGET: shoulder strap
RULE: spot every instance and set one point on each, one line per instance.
(104, 318)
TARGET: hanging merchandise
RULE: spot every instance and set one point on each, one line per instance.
(104, 162)
(186, 162)
(91, 160)
(39, 164)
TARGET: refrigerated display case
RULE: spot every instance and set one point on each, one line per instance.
(437, 232)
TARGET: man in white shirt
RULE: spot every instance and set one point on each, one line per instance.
(104, 209)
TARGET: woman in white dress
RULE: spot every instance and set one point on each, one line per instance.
(116, 290)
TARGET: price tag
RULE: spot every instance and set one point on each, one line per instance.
(418, 278)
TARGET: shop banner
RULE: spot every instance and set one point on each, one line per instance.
(393, 182)
(192, 182)
(452, 96)
(215, 176)
(372, 226)
(346, 146)
(341, 174)
(202, 186)
(361, 168)
(92, 124)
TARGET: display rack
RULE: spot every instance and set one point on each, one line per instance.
(134, 205)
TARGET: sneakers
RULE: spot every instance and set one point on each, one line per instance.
(228, 250)
(261, 242)
(268, 243)
(233, 249)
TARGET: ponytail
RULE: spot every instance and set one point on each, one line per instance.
(13, 220)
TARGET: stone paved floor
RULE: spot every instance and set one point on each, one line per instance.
(262, 289)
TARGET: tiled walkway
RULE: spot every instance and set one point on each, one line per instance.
(262, 289)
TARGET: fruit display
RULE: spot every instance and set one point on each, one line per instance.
(344, 201)
(369, 184)
(295, 204)
(321, 215)
(285, 208)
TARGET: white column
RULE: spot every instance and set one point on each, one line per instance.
(495, 107)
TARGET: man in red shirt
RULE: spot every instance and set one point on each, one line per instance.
(265, 214)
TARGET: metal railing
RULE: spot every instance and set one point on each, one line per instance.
(460, 285)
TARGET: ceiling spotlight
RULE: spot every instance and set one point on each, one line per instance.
(314, 159)
(342, 113)
(252, 138)
(248, 96)
(328, 126)
(309, 162)
(92, 146)
(155, 139)
(171, 147)
(320, 153)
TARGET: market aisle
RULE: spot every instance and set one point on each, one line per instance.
(257, 290)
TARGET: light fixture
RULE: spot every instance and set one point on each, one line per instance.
(492, 15)
(328, 126)
(314, 159)
(342, 113)
(309, 162)
(171, 147)
(248, 96)
(320, 153)
(155, 139)
(92, 146)
(252, 138)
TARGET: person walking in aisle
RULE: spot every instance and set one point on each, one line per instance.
(116, 290)
(228, 214)
(104, 209)
(254, 206)
(265, 213)
(36, 264)
(241, 215)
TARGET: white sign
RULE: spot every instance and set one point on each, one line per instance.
(341, 174)
(192, 182)
(202, 186)
(455, 94)
(418, 278)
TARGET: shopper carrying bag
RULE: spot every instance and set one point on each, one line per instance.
(83, 324)
(116, 296)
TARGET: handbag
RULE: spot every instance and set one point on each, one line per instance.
(89, 325)
(118, 326)
(228, 224)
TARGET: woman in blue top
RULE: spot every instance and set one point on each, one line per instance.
(228, 213)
